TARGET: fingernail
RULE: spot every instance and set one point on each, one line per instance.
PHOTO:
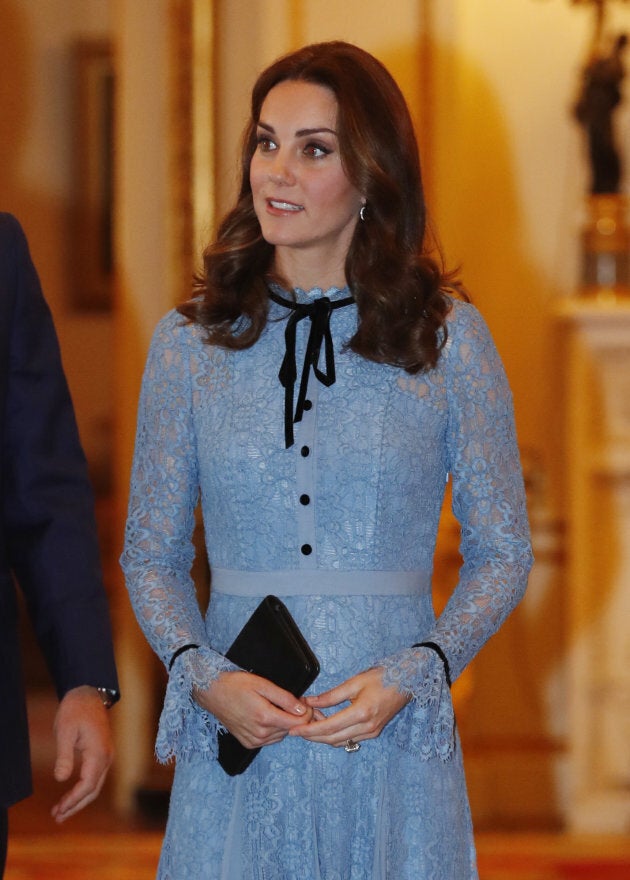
(299, 709)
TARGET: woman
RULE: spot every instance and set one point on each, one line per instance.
(325, 489)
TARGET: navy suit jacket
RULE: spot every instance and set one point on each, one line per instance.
(48, 539)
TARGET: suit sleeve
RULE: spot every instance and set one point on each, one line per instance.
(48, 507)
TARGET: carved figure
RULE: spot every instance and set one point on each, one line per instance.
(594, 109)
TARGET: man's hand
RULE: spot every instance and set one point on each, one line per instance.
(83, 735)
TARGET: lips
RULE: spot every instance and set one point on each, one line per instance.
(279, 205)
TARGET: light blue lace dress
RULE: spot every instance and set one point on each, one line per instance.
(342, 525)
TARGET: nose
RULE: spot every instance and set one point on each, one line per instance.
(280, 170)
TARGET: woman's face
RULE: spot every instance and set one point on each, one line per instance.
(304, 202)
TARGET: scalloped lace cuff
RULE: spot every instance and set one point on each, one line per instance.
(185, 729)
(426, 727)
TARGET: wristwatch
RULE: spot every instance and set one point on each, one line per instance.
(108, 696)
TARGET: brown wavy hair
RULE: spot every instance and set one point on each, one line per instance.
(398, 286)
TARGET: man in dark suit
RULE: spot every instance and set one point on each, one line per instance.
(48, 543)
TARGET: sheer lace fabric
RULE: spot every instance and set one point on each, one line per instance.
(362, 489)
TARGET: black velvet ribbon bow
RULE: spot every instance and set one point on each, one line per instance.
(319, 312)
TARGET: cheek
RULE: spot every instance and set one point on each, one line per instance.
(254, 175)
(346, 199)
(335, 193)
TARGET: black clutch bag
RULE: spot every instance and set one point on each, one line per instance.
(272, 646)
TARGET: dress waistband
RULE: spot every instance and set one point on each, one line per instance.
(320, 582)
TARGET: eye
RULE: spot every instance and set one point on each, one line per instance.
(265, 143)
(316, 151)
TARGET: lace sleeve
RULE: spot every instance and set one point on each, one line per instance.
(489, 503)
(158, 551)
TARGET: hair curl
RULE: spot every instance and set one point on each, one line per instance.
(399, 288)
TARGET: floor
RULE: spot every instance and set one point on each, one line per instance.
(132, 855)
(552, 857)
(99, 845)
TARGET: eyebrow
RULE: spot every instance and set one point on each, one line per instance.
(302, 132)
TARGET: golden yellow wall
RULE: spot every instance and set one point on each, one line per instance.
(489, 82)
(509, 184)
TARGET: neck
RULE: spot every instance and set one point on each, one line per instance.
(309, 270)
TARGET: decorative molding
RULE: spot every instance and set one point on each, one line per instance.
(193, 160)
(92, 202)
(597, 362)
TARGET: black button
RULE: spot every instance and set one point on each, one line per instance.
(304, 499)
(308, 405)
(306, 549)
(305, 451)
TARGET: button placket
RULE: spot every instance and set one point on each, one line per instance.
(305, 482)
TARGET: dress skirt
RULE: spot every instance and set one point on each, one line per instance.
(308, 810)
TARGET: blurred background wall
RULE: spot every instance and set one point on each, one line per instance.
(491, 85)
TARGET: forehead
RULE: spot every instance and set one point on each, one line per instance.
(300, 105)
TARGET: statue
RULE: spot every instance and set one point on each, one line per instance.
(605, 270)
(599, 96)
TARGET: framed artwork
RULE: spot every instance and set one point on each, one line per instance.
(92, 214)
